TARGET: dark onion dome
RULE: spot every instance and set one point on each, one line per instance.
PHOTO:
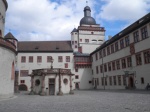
(88, 21)
(74, 30)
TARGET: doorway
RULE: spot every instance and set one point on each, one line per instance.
(131, 82)
(77, 85)
(23, 87)
(52, 86)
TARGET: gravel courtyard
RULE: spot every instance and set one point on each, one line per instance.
(81, 101)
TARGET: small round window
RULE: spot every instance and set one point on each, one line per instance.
(37, 82)
(65, 81)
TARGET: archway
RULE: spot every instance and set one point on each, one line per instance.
(23, 87)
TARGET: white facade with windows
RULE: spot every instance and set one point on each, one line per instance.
(29, 66)
(124, 60)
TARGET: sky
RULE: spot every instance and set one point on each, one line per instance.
(46, 20)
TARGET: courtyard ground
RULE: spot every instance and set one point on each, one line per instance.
(81, 101)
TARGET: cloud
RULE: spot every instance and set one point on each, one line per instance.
(126, 10)
(43, 19)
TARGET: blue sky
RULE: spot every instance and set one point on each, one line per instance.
(35, 20)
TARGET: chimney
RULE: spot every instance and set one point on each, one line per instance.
(109, 37)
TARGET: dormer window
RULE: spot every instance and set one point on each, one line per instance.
(87, 40)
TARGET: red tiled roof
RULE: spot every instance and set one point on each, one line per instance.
(44, 46)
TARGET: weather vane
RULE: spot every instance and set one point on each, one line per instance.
(87, 3)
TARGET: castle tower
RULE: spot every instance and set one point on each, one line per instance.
(89, 35)
(8, 56)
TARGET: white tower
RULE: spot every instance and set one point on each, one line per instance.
(89, 35)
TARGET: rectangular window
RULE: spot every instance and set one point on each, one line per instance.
(129, 61)
(49, 58)
(118, 64)
(112, 48)
(72, 42)
(108, 50)
(60, 59)
(116, 46)
(121, 44)
(80, 49)
(123, 63)
(113, 65)
(66, 65)
(97, 70)
(127, 41)
(75, 42)
(80, 40)
(119, 80)
(114, 77)
(110, 80)
(76, 46)
(24, 73)
(138, 59)
(22, 81)
(144, 33)
(101, 68)
(76, 76)
(86, 40)
(104, 52)
(147, 57)
(100, 54)
(23, 59)
(109, 66)
(136, 36)
(39, 59)
(102, 80)
(105, 67)
(105, 81)
(30, 59)
(67, 58)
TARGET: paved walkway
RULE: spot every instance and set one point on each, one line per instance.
(81, 101)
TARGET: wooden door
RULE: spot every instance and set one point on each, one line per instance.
(52, 86)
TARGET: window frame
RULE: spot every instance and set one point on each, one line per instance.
(39, 59)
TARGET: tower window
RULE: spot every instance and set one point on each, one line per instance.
(86, 40)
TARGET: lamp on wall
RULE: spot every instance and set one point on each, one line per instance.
(52, 60)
